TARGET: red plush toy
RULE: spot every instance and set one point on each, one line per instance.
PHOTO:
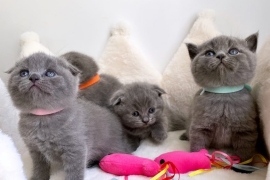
(126, 164)
(174, 162)
(186, 161)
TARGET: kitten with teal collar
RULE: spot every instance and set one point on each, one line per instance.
(223, 114)
(55, 125)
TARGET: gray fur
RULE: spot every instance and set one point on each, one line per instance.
(175, 120)
(141, 97)
(224, 121)
(82, 133)
(100, 92)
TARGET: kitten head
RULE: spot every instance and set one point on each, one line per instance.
(41, 81)
(223, 61)
(138, 104)
(84, 63)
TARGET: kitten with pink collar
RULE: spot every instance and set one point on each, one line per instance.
(56, 125)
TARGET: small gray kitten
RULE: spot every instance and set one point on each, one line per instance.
(140, 108)
(54, 124)
(100, 92)
(223, 121)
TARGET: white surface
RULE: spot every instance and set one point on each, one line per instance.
(158, 26)
(10, 163)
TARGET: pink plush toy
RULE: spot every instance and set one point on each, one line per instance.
(186, 161)
(126, 164)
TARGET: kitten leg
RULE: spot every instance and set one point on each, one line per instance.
(199, 139)
(159, 132)
(74, 162)
(244, 144)
(41, 167)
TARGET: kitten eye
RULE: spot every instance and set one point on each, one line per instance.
(151, 110)
(210, 53)
(136, 113)
(24, 73)
(233, 51)
(50, 73)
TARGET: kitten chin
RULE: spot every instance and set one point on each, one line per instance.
(223, 120)
(76, 135)
(140, 108)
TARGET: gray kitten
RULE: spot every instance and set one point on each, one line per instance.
(140, 108)
(223, 121)
(68, 130)
(101, 91)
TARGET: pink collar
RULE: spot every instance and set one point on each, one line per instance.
(43, 112)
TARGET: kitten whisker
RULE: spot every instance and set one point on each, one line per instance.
(24, 86)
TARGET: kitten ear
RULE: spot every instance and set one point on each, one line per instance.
(192, 50)
(10, 70)
(159, 90)
(75, 71)
(116, 98)
(252, 42)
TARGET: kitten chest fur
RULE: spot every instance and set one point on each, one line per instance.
(229, 115)
(49, 137)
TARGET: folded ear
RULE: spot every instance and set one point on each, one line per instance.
(10, 70)
(252, 42)
(159, 90)
(75, 71)
(192, 50)
(117, 98)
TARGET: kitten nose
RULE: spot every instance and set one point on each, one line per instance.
(145, 120)
(220, 56)
(34, 78)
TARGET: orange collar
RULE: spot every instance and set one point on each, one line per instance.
(90, 82)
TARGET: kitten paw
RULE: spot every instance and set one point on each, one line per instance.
(184, 137)
(159, 136)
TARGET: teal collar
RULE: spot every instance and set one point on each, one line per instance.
(226, 89)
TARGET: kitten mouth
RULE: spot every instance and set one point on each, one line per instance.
(34, 86)
(226, 65)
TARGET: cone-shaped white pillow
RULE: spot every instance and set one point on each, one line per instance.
(124, 61)
(263, 67)
(177, 79)
(30, 44)
(261, 91)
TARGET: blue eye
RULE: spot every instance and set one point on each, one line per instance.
(24, 73)
(209, 53)
(233, 51)
(136, 114)
(50, 73)
(151, 110)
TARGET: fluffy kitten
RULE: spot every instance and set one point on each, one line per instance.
(223, 121)
(101, 91)
(74, 132)
(140, 108)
